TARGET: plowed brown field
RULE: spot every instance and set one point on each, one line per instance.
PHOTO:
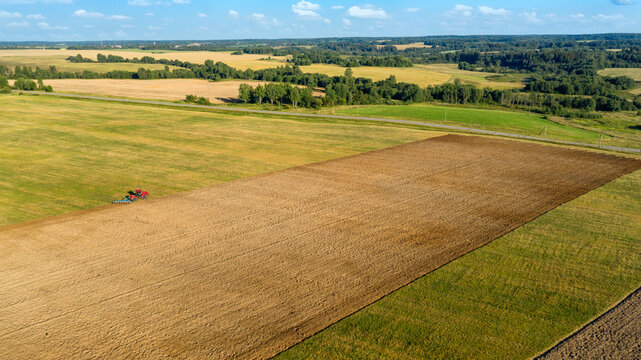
(248, 268)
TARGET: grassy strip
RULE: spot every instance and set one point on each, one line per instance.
(511, 299)
(495, 120)
(61, 155)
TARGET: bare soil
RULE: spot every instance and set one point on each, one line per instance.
(614, 335)
(248, 268)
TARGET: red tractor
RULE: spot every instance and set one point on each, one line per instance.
(133, 196)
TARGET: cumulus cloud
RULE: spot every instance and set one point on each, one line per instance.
(140, 2)
(233, 13)
(87, 14)
(306, 9)
(18, 24)
(412, 10)
(603, 17)
(118, 17)
(460, 10)
(46, 26)
(338, 7)
(347, 22)
(367, 12)
(35, 16)
(486, 10)
(6, 14)
(531, 17)
(577, 16)
(29, 2)
(181, 1)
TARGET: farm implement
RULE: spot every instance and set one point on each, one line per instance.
(133, 196)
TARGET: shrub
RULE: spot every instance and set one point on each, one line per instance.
(5, 90)
(24, 84)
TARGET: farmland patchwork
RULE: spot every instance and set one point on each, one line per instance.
(248, 268)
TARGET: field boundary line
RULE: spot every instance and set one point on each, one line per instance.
(342, 117)
(588, 324)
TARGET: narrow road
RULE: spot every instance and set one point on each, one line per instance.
(384, 120)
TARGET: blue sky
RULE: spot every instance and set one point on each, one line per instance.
(58, 20)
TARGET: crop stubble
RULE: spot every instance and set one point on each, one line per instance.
(248, 268)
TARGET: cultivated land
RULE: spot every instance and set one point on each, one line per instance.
(423, 75)
(414, 75)
(168, 89)
(511, 299)
(242, 62)
(260, 263)
(61, 155)
(615, 335)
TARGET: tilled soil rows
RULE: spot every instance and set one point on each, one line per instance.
(248, 268)
(614, 335)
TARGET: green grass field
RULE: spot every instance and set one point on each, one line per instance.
(496, 120)
(634, 73)
(61, 155)
(511, 299)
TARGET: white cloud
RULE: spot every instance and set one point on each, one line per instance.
(367, 12)
(118, 17)
(602, 17)
(327, 21)
(531, 17)
(29, 2)
(486, 10)
(140, 2)
(577, 16)
(233, 13)
(202, 15)
(412, 10)
(36, 16)
(154, 28)
(150, 14)
(181, 1)
(6, 14)
(18, 24)
(87, 14)
(622, 2)
(338, 7)
(258, 17)
(347, 22)
(460, 11)
(306, 9)
(46, 26)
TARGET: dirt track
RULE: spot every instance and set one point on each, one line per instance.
(614, 335)
(248, 268)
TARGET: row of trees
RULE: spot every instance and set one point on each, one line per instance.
(23, 84)
(278, 93)
(579, 84)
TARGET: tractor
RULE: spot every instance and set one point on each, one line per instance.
(133, 196)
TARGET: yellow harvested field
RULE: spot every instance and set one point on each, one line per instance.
(172, 89)
(246, 269)
(416, 45)
(245, 61)
(415, 75)
(476, 78)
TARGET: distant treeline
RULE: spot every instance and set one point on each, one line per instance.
(564, 95)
